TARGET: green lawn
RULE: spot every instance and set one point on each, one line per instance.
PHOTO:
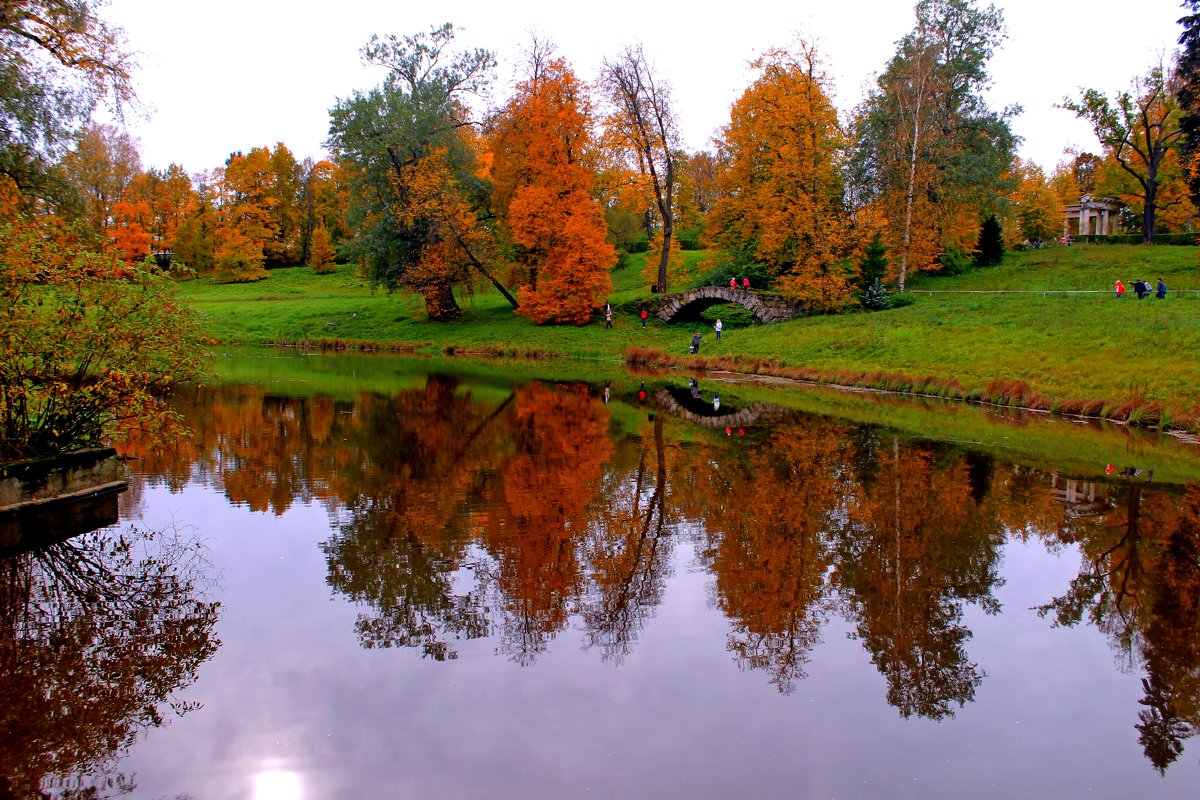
(1066, 347)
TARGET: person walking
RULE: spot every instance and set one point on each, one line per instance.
(644, 315)
(1141, 289)
(696, 343)
(1119, 288)
(608, 315)
(1161, 292)
(717, 328)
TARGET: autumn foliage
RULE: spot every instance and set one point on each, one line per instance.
(566, 526)
(781, 200)
(89, 344)
(544, 188)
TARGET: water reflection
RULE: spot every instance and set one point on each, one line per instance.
(1140, 584)
(96, 635)
(466, 513)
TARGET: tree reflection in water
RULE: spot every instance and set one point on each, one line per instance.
(510, 516)
(96, 635)
(915, 548)
(1140, 584)
(499, 497)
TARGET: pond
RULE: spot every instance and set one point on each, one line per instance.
(379, 577)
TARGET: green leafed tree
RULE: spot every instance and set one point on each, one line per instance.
(58, 60)
(1139, 128)
(1187, 92)
(989, 250)
(872, 271)
(932, 154)
(417, 204)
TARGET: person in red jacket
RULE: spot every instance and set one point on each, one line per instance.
(1119, 287)
(645, 314)
(733, 283)
(745, 283)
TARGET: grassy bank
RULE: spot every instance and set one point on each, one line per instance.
(1124, 359)
(1017, 437)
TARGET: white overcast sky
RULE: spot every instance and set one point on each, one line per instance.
(225, 75)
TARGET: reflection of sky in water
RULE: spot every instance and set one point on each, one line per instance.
(291, 688)
(277, 784)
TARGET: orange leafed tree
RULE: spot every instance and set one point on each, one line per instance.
(323, 200)
(320, 251)
(544, 191)
(435, 204)
(1036, 208)
(127, 233)
(781, 203)
(246, 216)
(170, 197)
(102, 166)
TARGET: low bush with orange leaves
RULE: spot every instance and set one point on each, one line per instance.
(89, 345)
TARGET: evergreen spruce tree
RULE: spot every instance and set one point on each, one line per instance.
(871, 272)
(876, 297)
(1187, 72)
(990, 249)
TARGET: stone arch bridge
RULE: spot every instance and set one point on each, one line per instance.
(765, 307)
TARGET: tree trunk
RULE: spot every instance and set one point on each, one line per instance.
(665, 256)
(908, 201)
(477, 264)
(1148, 208)
(440, 304)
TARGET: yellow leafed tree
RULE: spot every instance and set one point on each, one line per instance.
(780, 202)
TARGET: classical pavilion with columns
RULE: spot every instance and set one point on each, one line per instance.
(1096, 216)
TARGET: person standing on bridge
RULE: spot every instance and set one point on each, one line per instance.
(733, 283)
(746, 283)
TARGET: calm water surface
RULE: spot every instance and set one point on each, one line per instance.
(471, 588)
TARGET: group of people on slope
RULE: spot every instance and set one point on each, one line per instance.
(644, 314)
(718, 327)
(1142, 289)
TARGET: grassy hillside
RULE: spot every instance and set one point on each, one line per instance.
(1127, 358)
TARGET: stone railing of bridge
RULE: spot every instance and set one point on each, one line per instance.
(764, 306)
